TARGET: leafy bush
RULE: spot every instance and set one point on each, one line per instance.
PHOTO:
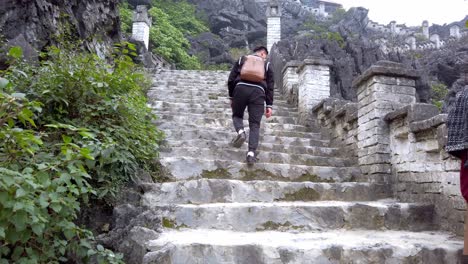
(71, 129)
(126, 17)
(169, 42)
(438, 93)
(182, 16)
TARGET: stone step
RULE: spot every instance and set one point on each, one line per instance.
(159, 104)
(187, 168)
(225, 115)
(214, 133)
(220, 102)
(227, 153)
(303, 216)
(222, 119)
(169, 121)
(331, 247)
(232, 191)
(281, 148)
(175, 109)
(227, 132)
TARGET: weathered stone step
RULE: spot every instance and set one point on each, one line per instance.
(212, 133)
(158, 104)
(281, 148)
(224, 115)
(170, 121)
(232, 191)
(198, 109)
(228, 133)
(331, 247)
(304, 216)
(268, 157)
(222, 119)
(220, 102)
(186, 168)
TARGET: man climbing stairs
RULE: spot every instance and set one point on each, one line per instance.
(303, 202)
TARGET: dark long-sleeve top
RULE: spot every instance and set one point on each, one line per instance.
(268, 85)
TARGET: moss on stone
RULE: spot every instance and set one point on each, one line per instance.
(270, 225)
(306, 177)
(219, 173)
(171, 224)
(168, 223)
(259, 175)
(212, 97)
(304, 194)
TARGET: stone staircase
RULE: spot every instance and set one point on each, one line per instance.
(303, 202)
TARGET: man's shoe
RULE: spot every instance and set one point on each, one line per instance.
(239, 140)
(251, 159)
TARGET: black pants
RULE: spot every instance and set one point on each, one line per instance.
(253, 98)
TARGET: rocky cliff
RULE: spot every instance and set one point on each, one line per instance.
(36, 24)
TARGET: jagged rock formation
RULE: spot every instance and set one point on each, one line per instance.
(304, 202)
(34, 25)
(359, 51)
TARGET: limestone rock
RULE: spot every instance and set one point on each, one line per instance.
(34, 25)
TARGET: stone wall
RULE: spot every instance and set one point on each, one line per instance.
(394, 139)
(421, 170)
(339, 120)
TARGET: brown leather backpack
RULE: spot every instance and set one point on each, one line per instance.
(253, 69)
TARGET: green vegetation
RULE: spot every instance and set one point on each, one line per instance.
(72, 128)
(172, 23)
(438, 93)
(321, 30)
(304, 194)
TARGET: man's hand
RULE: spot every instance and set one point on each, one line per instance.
(268, 112)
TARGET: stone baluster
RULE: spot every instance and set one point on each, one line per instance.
(141, 25)
(290, 81)
(383, 88)
(313, 86)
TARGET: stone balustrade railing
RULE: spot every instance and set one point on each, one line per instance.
(392, 138)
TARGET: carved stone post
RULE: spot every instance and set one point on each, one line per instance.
(313, 86)
(383, 88)
(290, 81)
(141, 25)
(273, 23)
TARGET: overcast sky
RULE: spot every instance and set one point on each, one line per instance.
(412, 12)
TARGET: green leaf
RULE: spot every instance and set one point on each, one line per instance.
(18, 95)
(56, 207)
(20, 193)
(100, 248)
(38, 229)
(2, 232)
(66, 139)
(3, 83)
(466, 24)
(86, 153)
(86, 134)
(16, 52)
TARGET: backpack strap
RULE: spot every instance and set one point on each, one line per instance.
(267, 66)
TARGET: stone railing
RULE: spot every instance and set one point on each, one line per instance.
(339, 120)
(392, 138)
(305, 84)
(421, 170)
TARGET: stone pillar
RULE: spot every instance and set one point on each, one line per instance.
(322, 11)
(436, 40)
(411, 41)
(273, 23)
(393, 28)
(290, 81)
(455, 32)
(313, 86)
(383, 88)
(425, 29)
(141, 25)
